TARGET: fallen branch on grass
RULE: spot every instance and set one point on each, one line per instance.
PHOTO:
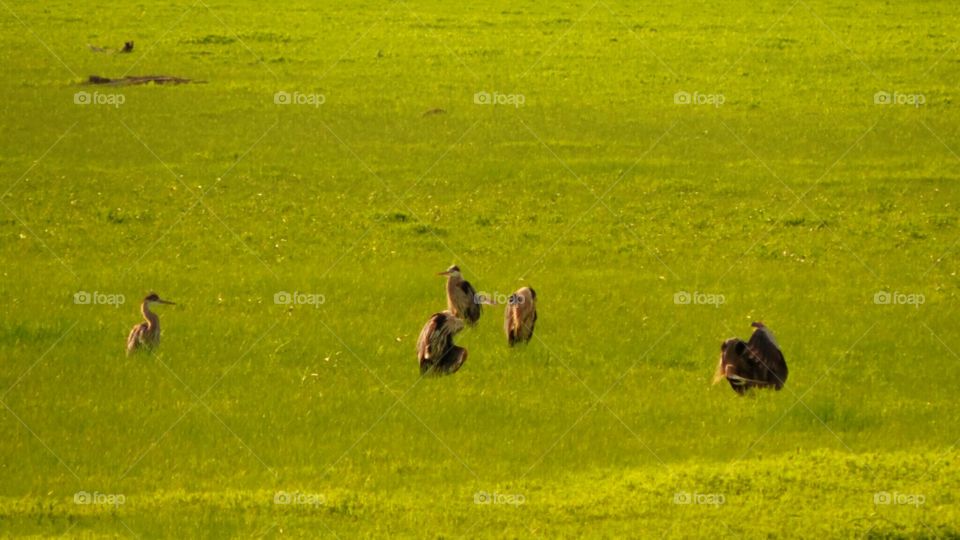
(127, 48)
(140, 79)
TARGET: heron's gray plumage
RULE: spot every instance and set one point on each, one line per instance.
(436, 351)
(520, 316)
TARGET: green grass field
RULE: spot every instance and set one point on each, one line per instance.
(810, 182)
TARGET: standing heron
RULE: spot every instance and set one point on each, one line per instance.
(520, 316)
(146, 334)
(462, 300)
(435, 349)
(756, 363)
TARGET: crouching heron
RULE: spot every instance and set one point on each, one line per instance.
(435, 349)
(756, 363)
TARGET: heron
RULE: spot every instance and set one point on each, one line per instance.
(435, 349)
(755, 363)
(146, 334)
(462, 300)
(520, 316)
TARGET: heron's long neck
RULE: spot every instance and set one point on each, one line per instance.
(152, 320)
(453, 282)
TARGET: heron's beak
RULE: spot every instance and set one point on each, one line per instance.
(165, 302)
(443, 273)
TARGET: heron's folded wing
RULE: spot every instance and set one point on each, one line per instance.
(766, 351)
(445, 327)
(136, 336)
(423, 342)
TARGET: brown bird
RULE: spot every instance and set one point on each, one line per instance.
(462, 298)
(435, 349)
(756, 363)
(146, 334)
(520, 316)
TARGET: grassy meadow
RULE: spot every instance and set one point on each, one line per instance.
(662, 173)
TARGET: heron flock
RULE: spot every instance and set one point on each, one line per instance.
(756, 363)
(437, 353)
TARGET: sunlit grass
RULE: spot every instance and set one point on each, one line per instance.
(796, 201)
